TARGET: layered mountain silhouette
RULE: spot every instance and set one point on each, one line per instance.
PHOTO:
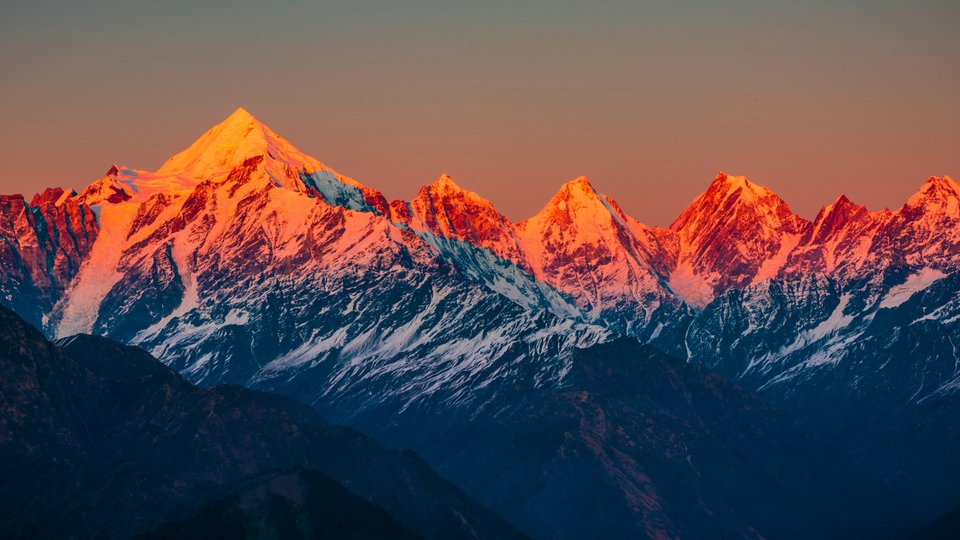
(101, 440)
(243, 260)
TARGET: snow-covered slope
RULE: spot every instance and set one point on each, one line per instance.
(241, 137)
(242, 227)
(863, 262)
(583, 245)
(241, 239)
(244, 260)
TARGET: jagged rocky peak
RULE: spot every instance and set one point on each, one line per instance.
(445, 184)
(580, 214)
(448, 210)
(835, 217)
(581, 244)
(736, 197)
(54, 195)
(108, 189)
(445, 189)
(574, 217)
(925, 231)
(734, 234)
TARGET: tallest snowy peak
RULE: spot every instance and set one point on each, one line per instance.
(228, 144)
(240, 116)
(244, 144)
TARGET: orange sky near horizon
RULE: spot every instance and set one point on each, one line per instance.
(648, 99)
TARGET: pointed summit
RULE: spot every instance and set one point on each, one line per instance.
(240, 115)
(577, 205)
(939, 194)
(583, 245)
(576, 216)
(243, 144)
(446, 183)
(842, 208)
(580, 184)
(835, 217)
(838, 240)
(729, 196)
(444, 186)
(230, 143)
(736, 232)
(449, 211)
(108, 189)
(925, 231)
(575, 199)
(726, 187)
(580, 181)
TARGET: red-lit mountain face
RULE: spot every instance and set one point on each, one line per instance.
(241, 238)
(244, 260)
(447, 210)
(735, 234)
(44, 244)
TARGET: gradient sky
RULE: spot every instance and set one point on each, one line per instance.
(512, 98)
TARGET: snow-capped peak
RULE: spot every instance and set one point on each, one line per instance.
(108, 189)
(736, 198)
(230, 143)
(939, 194)
(445, 187)
(834, 217)
(576, 200)
(243, 142)
(730, 184)
(735, 233)
(581, 244)
(577, 213)
(445, 183)
(726, 187)
(447, 210)
(580, 184)
(55, 196)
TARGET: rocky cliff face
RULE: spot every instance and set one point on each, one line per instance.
(45, 243)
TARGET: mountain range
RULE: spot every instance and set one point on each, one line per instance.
(440, 325)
